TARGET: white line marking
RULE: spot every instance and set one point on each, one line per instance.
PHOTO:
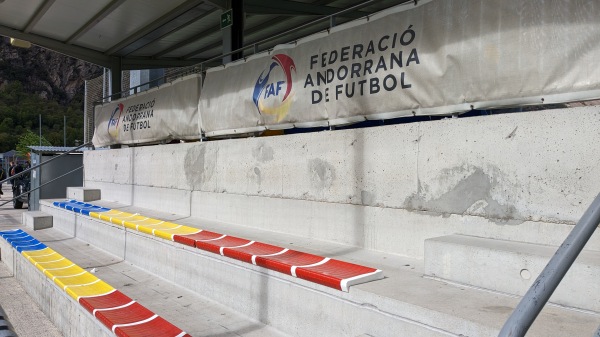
(132, 324)
(63, 276)
(309, 265)
(62, 258)
(244, 245)
(219, 238)
(113, 308)
(81, 285)
(33, 256)
(69, 266)
(99, 295)
(274, 254)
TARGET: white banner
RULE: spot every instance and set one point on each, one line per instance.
(437, 57)
(159, 114)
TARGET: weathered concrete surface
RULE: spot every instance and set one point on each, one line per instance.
(113, 166)
(175, 200)
(114, 191)
(66, 221)
(37, 220)
(526, 166)
(502, 176)
(514, 266)
(390, 230)
(404, 303)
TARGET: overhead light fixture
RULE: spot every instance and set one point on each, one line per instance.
(19, 43)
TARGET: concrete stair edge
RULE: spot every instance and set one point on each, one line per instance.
(511, 267)
(420, 316)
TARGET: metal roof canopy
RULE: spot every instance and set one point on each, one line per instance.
(54, 149)
(143, 34)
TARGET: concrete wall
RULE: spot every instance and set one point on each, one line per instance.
(526, 176)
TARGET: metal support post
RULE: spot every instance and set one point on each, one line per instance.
(536, 297)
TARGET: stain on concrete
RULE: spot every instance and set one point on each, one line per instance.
(321, 173)
(472, 195)
(254, 175)
(263, 153)
(199, 166)
(512, 134)
(367, 198)
(500, 309)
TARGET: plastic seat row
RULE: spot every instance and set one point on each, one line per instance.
(322, 270)
(119, 313)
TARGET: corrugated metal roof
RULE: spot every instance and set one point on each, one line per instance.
(54, 149)
(143, 34)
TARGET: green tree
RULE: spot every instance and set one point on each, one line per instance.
(7, 125)
(20, 111)
(29, 139)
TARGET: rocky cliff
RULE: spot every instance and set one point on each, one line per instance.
(50, 75)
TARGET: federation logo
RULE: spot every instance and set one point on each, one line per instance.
(273, 90)
(113, 122)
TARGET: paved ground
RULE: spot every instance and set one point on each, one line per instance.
(23, 313)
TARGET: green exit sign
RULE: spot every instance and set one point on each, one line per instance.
(226, 19)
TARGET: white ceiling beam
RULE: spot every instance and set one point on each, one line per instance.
(95, 20)
(38, 15)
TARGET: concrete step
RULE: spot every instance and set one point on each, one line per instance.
(197, 315)
(83, 193)
(403, 304)
(511, 267)
(319, 269)
(115, 310)
(37, 220)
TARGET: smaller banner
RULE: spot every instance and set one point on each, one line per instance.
(164, 113)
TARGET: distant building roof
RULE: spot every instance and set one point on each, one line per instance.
(10, 153)
(54, 149)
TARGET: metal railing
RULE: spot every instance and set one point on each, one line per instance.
(536, 297)
(254, 47)
(28, 170)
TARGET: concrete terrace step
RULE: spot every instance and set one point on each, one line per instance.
(511, 267)
(119, 313)
(322, 270)
(197, 315)
(404, 303)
